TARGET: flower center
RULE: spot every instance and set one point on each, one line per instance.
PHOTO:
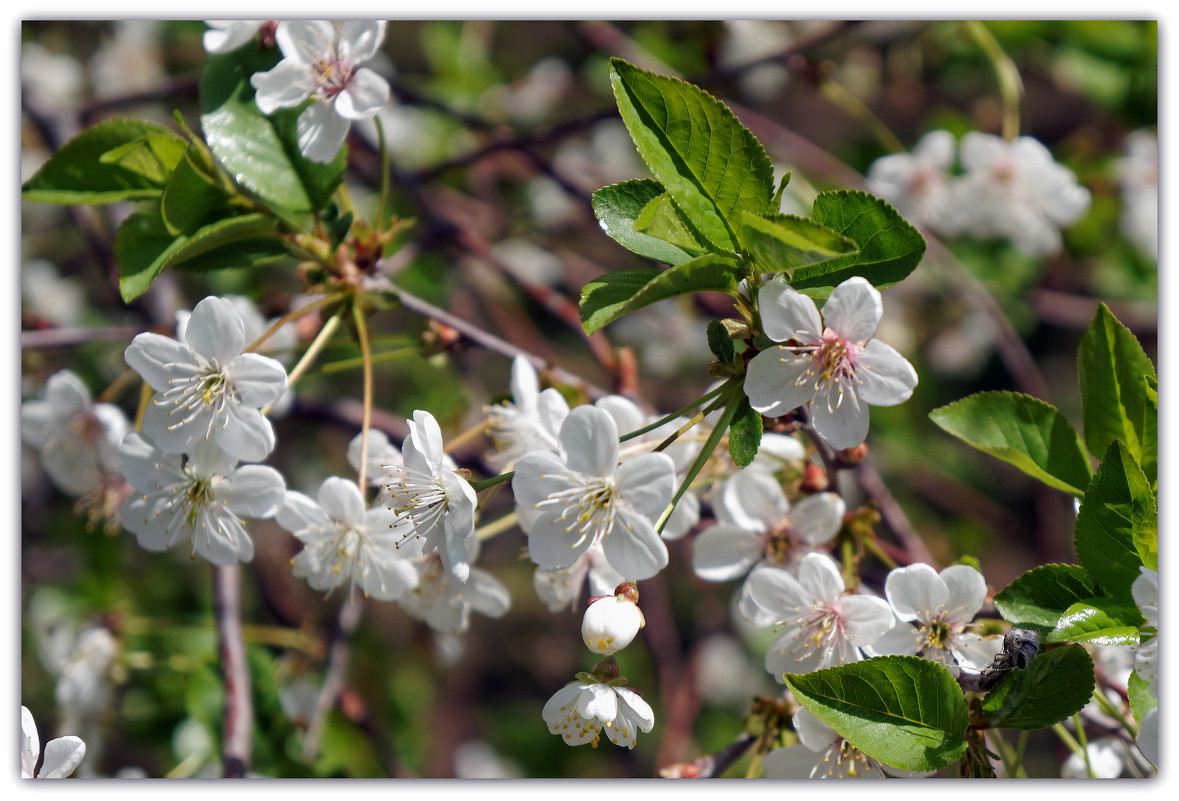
(332, 75)
(588, 506)
(207, 388)
(832, 366)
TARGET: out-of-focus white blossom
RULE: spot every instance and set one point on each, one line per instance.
(531, 421)
(47, 295)
(445, 605)
(917, 183)
(225, 35)
(1138, 176)
(1145, 591)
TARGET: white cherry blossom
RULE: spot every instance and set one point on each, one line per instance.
(820, 754)
(560, 588)
(917, 183)
(382, 454)
(346, 543)
(446, 606)
(611, 623)
(225, 35)
(531, 421)
(206, 388)
(834, 366)
(579, 711)
(430, 497)
(322, 61)
(62, 755)
(822, 625)
(586, 496)
(202, 498)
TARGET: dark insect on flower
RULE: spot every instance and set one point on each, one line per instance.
(1020, 647)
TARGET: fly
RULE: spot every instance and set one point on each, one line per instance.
(1020, 647)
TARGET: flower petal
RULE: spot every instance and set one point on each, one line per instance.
(259, 380)
(301, 515)
(341, 500)
(779, 593)
(215, 330)
(285, 86)
(589, 438)
(753, 500)
(62, 757)
(254, 490)
(159, 359)
(966, 591)
(853, 309)
(772, 381)
(820, 577)
(366, 94)
(304, 42)
(485, 594)
(360, 39)
(841, 426)
(321, 132)
(915, 592)
(788, 314)
(885, 377)
(633, 548)
(816, 519)
(723, 552)
(647, 483)
(31, 746)
(245, 433)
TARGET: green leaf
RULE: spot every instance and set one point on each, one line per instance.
(260, 152)
(1141, 701)
(1150, 431)
(696, 148)
(1102, 621)
(782, 242)
(618, 206)
(1040, 596)
(744, 434)
(661, 219)
(1021, 430)
(1110, 366)
(144, 247)
(114, 161)
(190, 196)
(1056, 685)
(902, 710)
(1117, 525)
(620, 292)
(888, 247)
(721, 343)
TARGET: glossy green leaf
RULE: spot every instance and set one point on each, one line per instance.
(889, 248)
(1141, 701)
(113, 161)
(661, 219)
(1040, 596)
(260, 152)
(782, 242)
(190, 196)
(902, 710)
(1117, 525)
(618, 206)
(1021, 430)
(620, 292)
(696, 148)
(1110, 366)
(1056, 685)
(744, 434)
(1102, 621)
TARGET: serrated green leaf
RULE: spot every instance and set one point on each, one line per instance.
(190, 196)
(901, 710)
(620, 292)
(661, 219)
(618, 206)
(260, 152)
(144, 247)
(744, 434)
(1110, 366)
(1102, 621)
(696, 148)
(721, 343)
(1040, 596)
(1117, 524)
(1021, 430)
(143, 155)
(1150, 431)
(889, 247)
(782, 242)
(1056, 685)
(1141, 701)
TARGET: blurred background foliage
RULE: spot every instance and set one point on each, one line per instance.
(499, 133)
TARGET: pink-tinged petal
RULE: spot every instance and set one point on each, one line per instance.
(485, 594)
(966, 591)
(66, 394)
(915, 592)
(885, 377)
(342, 501)
(589, 438)
(598, 701)
(866, 618)
(626, 414)
(820, 577)
(779, 593)
(787, 314)
(285, 86)
(633, 548)
(62, 757)
(853, 309)
(259, 380)
(367, 93)
(254, 490)
(647, 483)
(320, 132)
(159, 359)
(146, 467)
(772, 382)
(215, 330)
(841, 426)
(816, 520)
(539, 474)
(723, 552)
(304, 42)
(360, 39)
(245, 433)
(299, 513)
(753, 500)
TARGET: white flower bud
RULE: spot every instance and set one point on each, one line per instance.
(610, 624)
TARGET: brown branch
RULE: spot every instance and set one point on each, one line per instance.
(891, 512)
(71, 337)
(236, 742)
(333, 680)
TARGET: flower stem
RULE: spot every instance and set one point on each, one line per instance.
(487, 483)
(489, 530)
(678, 413)
(293, 314)
(317, 345)
(366, 420)
(465, 437)
(388, 356)
(1073, 745)
(1006, 73)
(1111, 710)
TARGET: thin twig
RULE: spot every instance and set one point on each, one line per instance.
(890, 511)
(333, 680)
(72, 337)
(236, 742)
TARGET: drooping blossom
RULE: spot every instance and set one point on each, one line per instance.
(822, 624)
(611, 623)
(917, 183)
(201, 497)
(581, 709)
(346, 543)
(206, 387)
(831, 364)
(586, 496)
(322, 61)
(62, 755)
(529, 422)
